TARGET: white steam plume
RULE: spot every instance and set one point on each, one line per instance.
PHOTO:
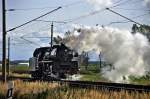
(130, 54)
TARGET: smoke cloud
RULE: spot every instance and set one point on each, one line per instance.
(129, 53)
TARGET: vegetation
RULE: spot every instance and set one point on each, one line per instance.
(92, 73)
(144, 80)
(144, 29)
(44, 90)
(17, 68)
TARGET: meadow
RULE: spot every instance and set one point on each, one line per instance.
(44, 90)
(91, 74)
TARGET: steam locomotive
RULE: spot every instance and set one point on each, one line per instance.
(53, 62)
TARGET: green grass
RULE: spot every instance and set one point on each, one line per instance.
(91, 74)
(145, 80)
(92, 77)
(17, 68)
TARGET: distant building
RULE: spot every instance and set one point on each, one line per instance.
(24, 63)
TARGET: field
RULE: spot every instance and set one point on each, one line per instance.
(44, 90)
(91, 74)
(17, 68)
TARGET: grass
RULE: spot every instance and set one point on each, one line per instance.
(20, 75)
(44, 90)
(140, 80)
(17, 68)
(91, 74)
(25, 90)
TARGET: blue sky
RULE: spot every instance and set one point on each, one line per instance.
(29, 9)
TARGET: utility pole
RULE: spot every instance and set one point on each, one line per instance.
(100, 60)
(52, 34)
(8, 60)
(4, 41)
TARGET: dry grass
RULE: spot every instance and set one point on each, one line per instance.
(44, 90)
(24, 88)
(19, 75)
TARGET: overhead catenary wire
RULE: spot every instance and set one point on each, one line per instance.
(91, 13)
(52, 21)
(139, 9)
(39, 8)
(124, 21)
(33, 19)
(30, 41)
(123, 16)
(118, 1)
(35, 37)
(84, 16)
(124, 2)
(116, 4)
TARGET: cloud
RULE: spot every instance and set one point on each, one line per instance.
(98, 4)
(147, 3)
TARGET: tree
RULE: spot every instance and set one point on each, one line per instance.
(84, 59)
(134, 28)
(144, 29)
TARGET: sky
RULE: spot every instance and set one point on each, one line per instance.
(72, 11)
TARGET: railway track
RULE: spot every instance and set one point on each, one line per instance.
(109, 86)
(90, 84)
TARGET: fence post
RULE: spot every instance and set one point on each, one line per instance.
(10, 87)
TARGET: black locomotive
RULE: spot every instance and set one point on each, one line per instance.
(54, 62)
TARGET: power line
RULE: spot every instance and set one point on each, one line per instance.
(124, 21)
(118, 1)
(39, 29)
(31, 42)
(125, 2)
(134, 9)
(33, 19)
(117, 22)
(36, 37)
(19, 41)
(123, 16)
(84, 16)
(52, 21)
(97, 11)
(39, 8)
